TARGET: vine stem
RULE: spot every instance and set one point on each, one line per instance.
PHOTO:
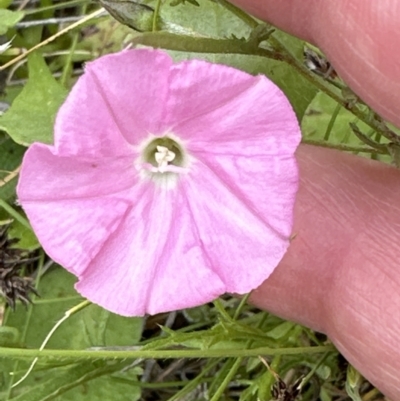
(160, 354)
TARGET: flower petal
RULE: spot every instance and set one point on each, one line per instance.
(240, 243)
(248, 141)
(48, 177)
(85, 126)
(265, 182)
(198, 87)
(119, 100)
(72, 232)
(154, 262)
(235, 106)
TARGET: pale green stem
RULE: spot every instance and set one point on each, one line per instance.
(160, 354)
(227, 380)
(68, 62)
(155, 16)
(314, 369)
(378, 138)
(332, 122)
(222, 311)
(240, 307)
(13, 213)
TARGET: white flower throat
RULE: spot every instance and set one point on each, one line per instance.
(163, 159)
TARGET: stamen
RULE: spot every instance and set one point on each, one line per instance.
(163, 159)
(163, 156)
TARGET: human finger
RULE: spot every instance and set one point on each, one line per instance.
(341, 273)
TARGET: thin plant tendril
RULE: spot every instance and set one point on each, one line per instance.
(67, 314)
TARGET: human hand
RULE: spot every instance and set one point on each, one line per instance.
(341, 274)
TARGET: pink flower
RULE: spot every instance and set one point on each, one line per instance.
(167, 185)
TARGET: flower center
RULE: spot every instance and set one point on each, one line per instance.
(164, 155)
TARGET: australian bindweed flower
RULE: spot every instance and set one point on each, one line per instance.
(167, 185)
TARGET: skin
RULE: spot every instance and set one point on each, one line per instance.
(341, 275)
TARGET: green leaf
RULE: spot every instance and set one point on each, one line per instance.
(281, 331)
(299, 91)
(318, 117)
(5, 3)
(107, 38)
(10, 158)
(8, 19)
(55, 286)
(26, 237)
(134, 14)
(103, 328)
(104, 388)
(92, 327)
(208, 19)
(31, 116)
(9, 336)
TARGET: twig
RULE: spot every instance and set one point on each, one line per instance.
(52, 38)
(23, 5)
(10, 176)
(48, 21)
